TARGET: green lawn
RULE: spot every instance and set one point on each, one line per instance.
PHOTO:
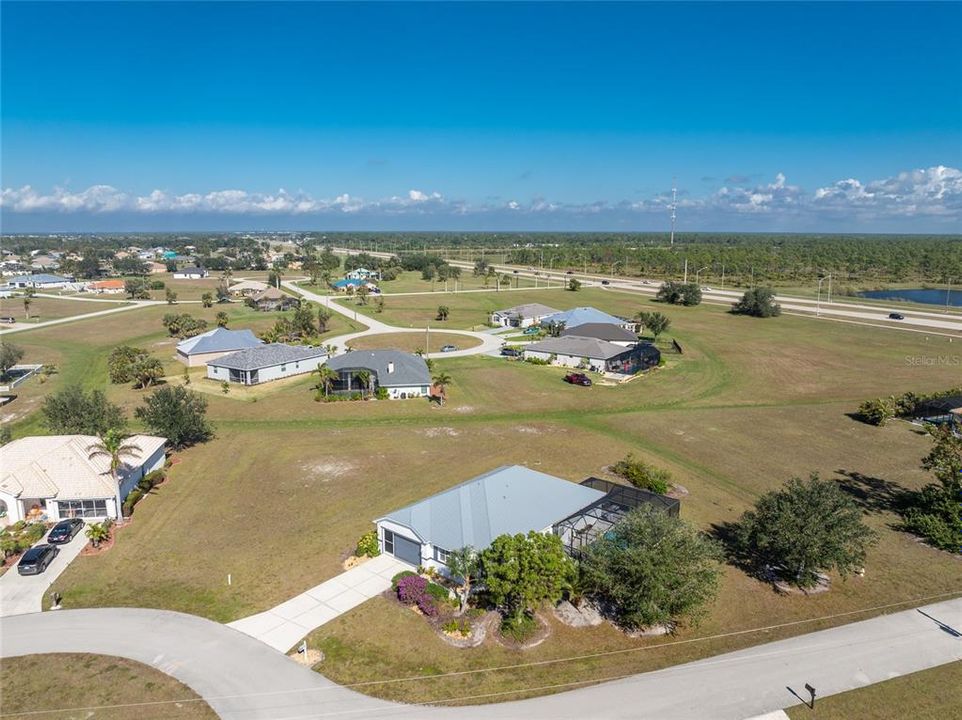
(67, 686)
(749, 404)
(46, 308)
(412, 342)
(934, 694)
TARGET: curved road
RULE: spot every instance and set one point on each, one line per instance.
(243, 679)
(489, 343)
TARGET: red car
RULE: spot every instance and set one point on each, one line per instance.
(578, 379)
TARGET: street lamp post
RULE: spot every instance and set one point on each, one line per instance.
(697, 273)
(818, 297)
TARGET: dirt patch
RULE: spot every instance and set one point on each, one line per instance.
(464, 409)
(353, 561)
(437, 432)
(824, 584)
(309, 658)
(327, 470)
(527, 429)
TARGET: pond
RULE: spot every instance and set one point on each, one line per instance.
(919, 295)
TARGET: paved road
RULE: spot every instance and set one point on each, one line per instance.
(244, 679)
(489, 343)
(21, 594)
(284, 625)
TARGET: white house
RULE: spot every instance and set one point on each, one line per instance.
(521, 315)
(201, 349)
(266, 362)
(54, 477)
(190, 273)
(40, 281)
(363, 274)
(581, 315)
(588, 353)
(403, 375)
(509, 500)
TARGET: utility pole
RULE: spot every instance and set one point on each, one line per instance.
(723, 276)
(686, 271)
(674, 193)
(830, 288)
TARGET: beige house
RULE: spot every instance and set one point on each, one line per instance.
(200, 349)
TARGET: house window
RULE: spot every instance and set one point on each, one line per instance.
(283, 368)
(82, 508)
(389, 542)
(441, 555)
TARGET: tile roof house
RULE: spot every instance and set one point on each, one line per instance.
(201, 349)
(266, 362)
(508, 500)
(581, 315)
(55, 477)
(602, 331)
(108, 287)
(248, 287)
(272, 299)
(403, 375)
(522, 315)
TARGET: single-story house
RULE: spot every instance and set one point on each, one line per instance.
(201, 349)
(106, 287)
(348, 284)
(593, 354)
(265, 363)
(190, 273)
(581, 315)
(53, 477)
(273, 299)
(603, 331)
(403, 375)
(363, 274)
(246, 288)
(156, 268)
(522, 315)
(40, 281)
(44, 262)
(506, 501)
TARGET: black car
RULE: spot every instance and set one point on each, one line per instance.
(896, 316)
(510, 352)
(65, 530)
(606, 282)
(36, 559)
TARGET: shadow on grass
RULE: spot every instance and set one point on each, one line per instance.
(726, 533)
(875, 494)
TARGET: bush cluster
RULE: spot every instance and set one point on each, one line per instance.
(643, 475)
(144, 486)
(368, 546)
(20, 537)
(413, 590)
(879, 411)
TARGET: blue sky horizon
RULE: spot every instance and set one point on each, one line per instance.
(780, 117)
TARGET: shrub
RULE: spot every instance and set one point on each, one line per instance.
(367, 546)
(397, 578)
(537, 361)
(157, 285)
(437, 592)
(381, 393)
(411, 588)
(876, 412)
(457, 625)
(98, 532)
(643, 475)
(520, 628)
(427, 605)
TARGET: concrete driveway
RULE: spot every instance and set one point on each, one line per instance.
(20, 594)
(283, 625)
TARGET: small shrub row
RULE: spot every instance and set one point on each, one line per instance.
(879, 411)
(20, 537)
(459, 626)
(643, 475)
(368, 545)
(537, 361)
(144, 486)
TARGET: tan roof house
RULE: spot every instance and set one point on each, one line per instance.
(53, 477)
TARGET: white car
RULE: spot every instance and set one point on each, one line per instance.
(705, 288)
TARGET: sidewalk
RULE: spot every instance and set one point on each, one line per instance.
(284, 625)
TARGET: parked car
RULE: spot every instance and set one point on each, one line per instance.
(896, 316)
(569, 272)
(515, 272)
(510, 352)
(65, 530)
(8, 320)
(531, 330)
(578, 379)
(606, 282)
(36, 559)
(705, 288)
(448, 348)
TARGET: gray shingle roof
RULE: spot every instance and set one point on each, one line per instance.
(409, 369)
(578, 347)
(580, 316)
(264, 356)
(218, 340)
(511, 499)
(530, 310)
(601, 331)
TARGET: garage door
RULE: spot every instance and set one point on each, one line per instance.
(402, 548)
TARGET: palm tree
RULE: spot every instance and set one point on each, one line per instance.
(441, 382)
(364, 378)
(114, 446)
(325, 378)
(27, 300)
(465, 566)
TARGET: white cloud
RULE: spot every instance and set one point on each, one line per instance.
(934, 192)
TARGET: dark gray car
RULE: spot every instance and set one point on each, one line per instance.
(36, 559)
(65, 530)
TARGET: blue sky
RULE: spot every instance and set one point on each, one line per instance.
(807, 117)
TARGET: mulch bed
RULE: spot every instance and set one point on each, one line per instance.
(105, 545)
(542, 634)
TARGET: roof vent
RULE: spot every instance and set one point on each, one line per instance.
(390, 367)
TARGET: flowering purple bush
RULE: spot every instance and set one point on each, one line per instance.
(411, 589)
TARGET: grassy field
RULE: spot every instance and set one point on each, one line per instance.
(749, 404)
(93, 686)
(412, 342)
(934, 694)
(46, 308)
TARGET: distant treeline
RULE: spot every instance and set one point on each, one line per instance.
(740, 257)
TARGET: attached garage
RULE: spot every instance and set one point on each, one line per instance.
(401, 547)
